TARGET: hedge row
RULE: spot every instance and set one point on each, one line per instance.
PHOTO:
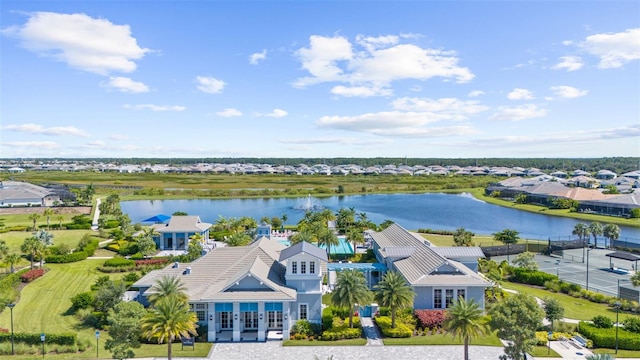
(67, 258)
(430, 319)
(401, 330)
(119, 262)
(31, 275)
(34, 339)
(341, 332)
(606, 338)
(531, 277)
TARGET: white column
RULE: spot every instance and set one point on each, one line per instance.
(236, 321)
(173, 242)
(262, 320)
(286, 318)
(211, 332)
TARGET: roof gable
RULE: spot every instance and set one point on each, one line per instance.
(306, 248)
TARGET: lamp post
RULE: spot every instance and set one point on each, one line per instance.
(617, 306)
(588, 251)
(97, 348)
(42, 340)
(11, 306)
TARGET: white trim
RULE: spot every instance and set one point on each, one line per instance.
(306, 312)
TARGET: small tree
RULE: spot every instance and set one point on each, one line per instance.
(526, 260)
(394, 292)
(553, 310)
(169, 319)
(351, 288)
(34, 217)
(463, 237)
(465, 320)
(611, 232)
(516, 318)
(508, 237)
(124, 329)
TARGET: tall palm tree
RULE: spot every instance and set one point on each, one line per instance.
(465, 320)
(611, 232)
(508, 237)
(47, 213)
(581, 230)
(32, 247)
(12, 260)
(284, 219)
(60, 218)
(351, 289)
(328, 239)
(168, 286)
(304, 235)
(595, 229)
(34, 217)
(45, 237)
(395, 293)
(169, 319)
(355, 235)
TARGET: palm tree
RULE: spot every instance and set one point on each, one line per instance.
(351, 289)
(169, 319)
(394, 292)
(167, 286)
(507, 236)
(284, 219)
(611, 232)
(304, 235)
(465, 320)
(600, 357)
(48, 212)
(32, 247)
(60, 218)
(355, 235)
(45, 237)
(34, 217)
(595, 229)
(581, 230)
(12, 260)
(463, 237)
(328, 239)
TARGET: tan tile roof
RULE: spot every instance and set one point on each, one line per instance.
(187, 223)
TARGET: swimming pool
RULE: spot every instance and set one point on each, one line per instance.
(344, 247)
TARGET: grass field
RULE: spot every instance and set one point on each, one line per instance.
(621, 353)
(442, 339)
(15, 239)
(574, 308)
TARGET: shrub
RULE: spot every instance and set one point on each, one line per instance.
(401, 330)
(601, 321)
(152, 262)
(632, 324)
(531, 277)
(31, 275)
(82, 300)
(302, 327)
(34, 339)
(429, 319)
(68, 258)
(119, 262)
(606, 338)
(341, 332)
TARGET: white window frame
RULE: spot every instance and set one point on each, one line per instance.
(303, 267)
(306, 311)
(312, 267)
(294, 267)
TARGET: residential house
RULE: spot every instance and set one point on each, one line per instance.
(247, 293)
(175, 234)
(17, 193)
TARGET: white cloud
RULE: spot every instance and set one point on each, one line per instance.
(210, 85)
(31, 144)
(476, 93)
(257, 57)
(570, 63)
(516, 113)
(568, 92)
(520, 94)
(444, 108)
(39, 129)
(229, 112)
(125, 84)
(567, 42)
(374, 62)
(614, 49)
(153, 107)
(82, 42)
(361, 91)
(97, 143)
(276, 113)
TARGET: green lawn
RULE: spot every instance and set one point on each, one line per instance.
(15, 239)
(620, 354)
(10, 220)
(574, 308)
(442, 339)
(45, 303)
(543, 351)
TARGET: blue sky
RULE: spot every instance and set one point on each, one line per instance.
(319, 79)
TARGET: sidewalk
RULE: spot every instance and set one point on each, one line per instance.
(371, 332)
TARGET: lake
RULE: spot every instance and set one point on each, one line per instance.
(412, 211)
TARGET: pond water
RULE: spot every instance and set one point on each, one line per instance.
(412, 211)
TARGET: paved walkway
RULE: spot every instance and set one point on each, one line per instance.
(371, 332)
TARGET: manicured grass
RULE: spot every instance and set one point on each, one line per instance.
(442, 339)
(23, 219)
(479, 240)
(543, 351)
(45, 304)
(160, 350)
(346, 342)
(15, 239)
(574, 308)
(620, 354)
